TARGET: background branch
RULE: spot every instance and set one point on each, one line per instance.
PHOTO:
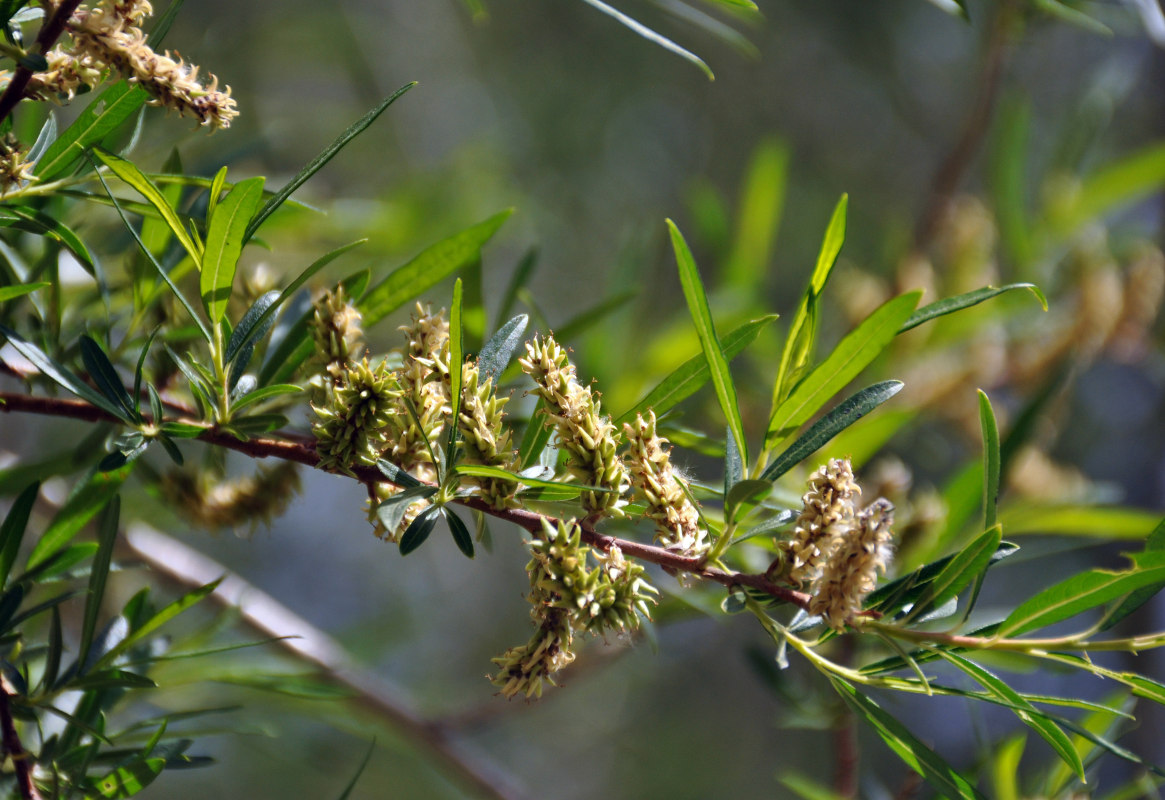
(14, 749)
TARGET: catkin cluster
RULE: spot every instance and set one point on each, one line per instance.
(107, 37)
(587, 436)
(569, 595)
(837, 549)
(653, 478)
(233, 502)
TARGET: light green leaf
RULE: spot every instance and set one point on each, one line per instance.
(820, 432)
(1082, 592)
(128, 780)
(12, 292)
(759, 216)
(990, 459)
(967, 565)
(927, 763)
(109, 110)
(802, 333)
(687, 378)
(150, 626)
(535, 437)
(456, 368)
(1099, 521)
(1028, 713)
(224, 244)
(317, 163)
(428, 268)
(80, 507)
(214, 194)
(852, 355)
(651, 36)
(483, 471)
(959, 302)
(1155, 543)
(806, 788)
(702, 318)
(146, 188)
(271, 390)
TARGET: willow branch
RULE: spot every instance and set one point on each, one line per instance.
(302, 452)
(45, 39)
(14, 749)
(268, 616)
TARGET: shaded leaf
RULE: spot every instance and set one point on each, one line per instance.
(419, 530)
(460, 533)
(98, 573)
(13, 528)
(101, 370)
(958, 303)
(64, 377)
(108, 111)
(80, 507)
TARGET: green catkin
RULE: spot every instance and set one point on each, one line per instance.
(653, 479)
(354, 426)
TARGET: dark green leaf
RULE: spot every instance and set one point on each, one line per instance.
(109, 110)
(743, 497)
(536, 436)
(101, 370)
(953, 304)
(85, 501)
(495, 354)
(397, 475)
(460, 533)
(391, 511)
(52, 667)
(46, 225)
(171, 449)
(98, 573)
(419, 530)
(1136, 599)
(702, 318)
(63, 376)
(317, 163)
(845, 414)
(259, 395)
(456, 370)
(359, 771)
(958, 572)
(155, 622)
(224, 245)
(13, 527)
(518, 281)
(113, 679)
(428, 268)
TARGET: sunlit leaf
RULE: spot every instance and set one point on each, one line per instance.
(224, 244)
(108, 111)
(651, 36)
(952, 304)
(990, 459)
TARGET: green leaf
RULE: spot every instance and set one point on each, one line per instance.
(852, 355)
(744, 496)
(46, 225)
(13, 527)
(927, 763)
(98, 573)
(56, 646)
(802, 333)
(1028, 713)
(806, 788)
(101, 370)
(845, 414)
(80, 507)
(224, 245)
(214, 194)
(758, 216)
(359, 771)
(264, 393)
(419, 530)
(460, 533)
(63, 376)
(483, 471)
(585, 320)
(108, 111)
(518, 281)
(391, 511)
(146, 188)
(495, 354)
(686, 379)
(128, 780)
(536, 436)
(12, 292)
(397, 475)
(456, 369)
(427, 269)
(1099, 521)
(952, 304)
(651, 36)
(317, 163)
(248, 329)
(113, 679)
(990, 459)
(702, 319)
(1155, 543)
(155, 622)
(1082, 592)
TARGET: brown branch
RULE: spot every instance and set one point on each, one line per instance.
(952, 169)
(372, 692)
(304, 453)
(45, 39)
(14, 749)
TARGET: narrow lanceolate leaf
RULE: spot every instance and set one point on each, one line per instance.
(359, 771)
(246, 331)
(1030, 715)
(80, 507)
(927, 763)
(456, 360)
(12, 292)
(151, 626)
(98, 573)
(702, 318)
(495, 354)
(224, 244)
(852, 354)
(392, 511)
(428, 268)
(535, 437)
(461, 535)
(212, 196)
(958, 303)
(317, 163)
(845, 414)
(128, 780)
(687, 378)
(109, 110)
(63, 376)
(966, 565)
(46, 225)
(101, 370)
(13, 527)
(798, 348)
(1155, 543)
(1096, 521)
(397, 475)
(990, 459)
(1084, 591)
(651, 36)
(146, 188)
(419, 530)
(265, 393)
(483, 471)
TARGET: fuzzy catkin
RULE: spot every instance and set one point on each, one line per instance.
(654, 481)
(232, 502)
(827, 508)
(851, 572)
(484, 436)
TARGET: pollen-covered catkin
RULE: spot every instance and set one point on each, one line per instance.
(654, 481)
(827, 509)
(588, 437)
(336, 331)
(851, 571)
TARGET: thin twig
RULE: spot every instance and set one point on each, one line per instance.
(14, 749)
(271, 618)
(952, 169)
(45, 39)
(305, 453)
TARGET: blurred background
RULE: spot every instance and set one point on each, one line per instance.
(594, 136)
